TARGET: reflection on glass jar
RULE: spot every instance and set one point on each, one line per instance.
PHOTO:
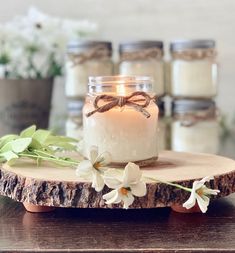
(193, 69)
(84, 59)
(195, 127)
(143, 58)
(120, 116)
(73, 124)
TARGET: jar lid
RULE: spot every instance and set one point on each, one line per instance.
(178, 45)
(191, 105)
(79, 46)
(132, 46)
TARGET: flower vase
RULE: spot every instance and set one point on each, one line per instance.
(24, 102)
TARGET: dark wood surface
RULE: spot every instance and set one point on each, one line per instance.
(153, 230)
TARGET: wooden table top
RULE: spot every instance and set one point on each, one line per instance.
(82, 230)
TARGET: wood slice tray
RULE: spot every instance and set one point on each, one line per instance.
(59, 187)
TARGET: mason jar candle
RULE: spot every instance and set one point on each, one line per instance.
(193, 69)
(195, 126)
(143, 58)
(84, 59)
(73, 126)
(120, 116)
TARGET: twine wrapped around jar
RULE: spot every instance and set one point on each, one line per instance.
(148, 53)
(98, 52)
(138, 100)
(192, 118)
(195, 54)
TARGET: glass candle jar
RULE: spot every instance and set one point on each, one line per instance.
(193, 69)
(73, 126)
(143, 58)
(84, 59)
(120, 116)
(195, 127)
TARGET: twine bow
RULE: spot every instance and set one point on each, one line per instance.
(195, 54)
(191, 119)
(143, 54)
(98, 52)
(134, 100)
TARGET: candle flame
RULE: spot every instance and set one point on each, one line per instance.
(120, 89)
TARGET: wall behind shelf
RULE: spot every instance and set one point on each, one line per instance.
(150, 19)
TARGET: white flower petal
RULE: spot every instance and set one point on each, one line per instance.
(127, 200)
(191, 201)
(132, 174)
(84, 167)
(104, 158)
(97, 181)
(138, 189)
(206, 179)
(112, 197)
(93, 154)
(197, 185)
(112, 178)
(208, 191)
(203, 202)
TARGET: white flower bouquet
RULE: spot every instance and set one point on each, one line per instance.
(33, 46)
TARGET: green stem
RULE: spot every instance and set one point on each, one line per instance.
(53, 159)
(172, 184)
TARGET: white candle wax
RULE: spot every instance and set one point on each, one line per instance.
(202, 137)
(124, 132)
(196, 78)
(152, 68)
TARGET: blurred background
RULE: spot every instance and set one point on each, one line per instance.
(118, 21)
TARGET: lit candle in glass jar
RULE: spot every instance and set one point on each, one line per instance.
(120, 116)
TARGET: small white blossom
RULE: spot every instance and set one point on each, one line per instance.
(200, 195)
(93, 168)
(127, 187)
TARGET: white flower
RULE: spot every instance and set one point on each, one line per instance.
(200, 194)
(93, 168)
(49, 35)
(127, 187)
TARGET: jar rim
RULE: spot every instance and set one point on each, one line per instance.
(189, 105)
(77, 46)
(178, 45)
(118, 79)
(130, 46)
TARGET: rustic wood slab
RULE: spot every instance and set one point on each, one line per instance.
(59, 187)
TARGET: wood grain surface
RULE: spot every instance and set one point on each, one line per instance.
(96, 230)
(59, 187)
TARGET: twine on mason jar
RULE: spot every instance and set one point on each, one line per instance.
(192, 118)
(143, 54)
(134, 101)
(195, 54)
(98, 52)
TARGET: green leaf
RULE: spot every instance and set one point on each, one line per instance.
(53, 140)
(28, 132)
(12, 161)
(41, 135)
(66, 146)
(35, 144)
(9, 155)
(7, 138)
(17, 146)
